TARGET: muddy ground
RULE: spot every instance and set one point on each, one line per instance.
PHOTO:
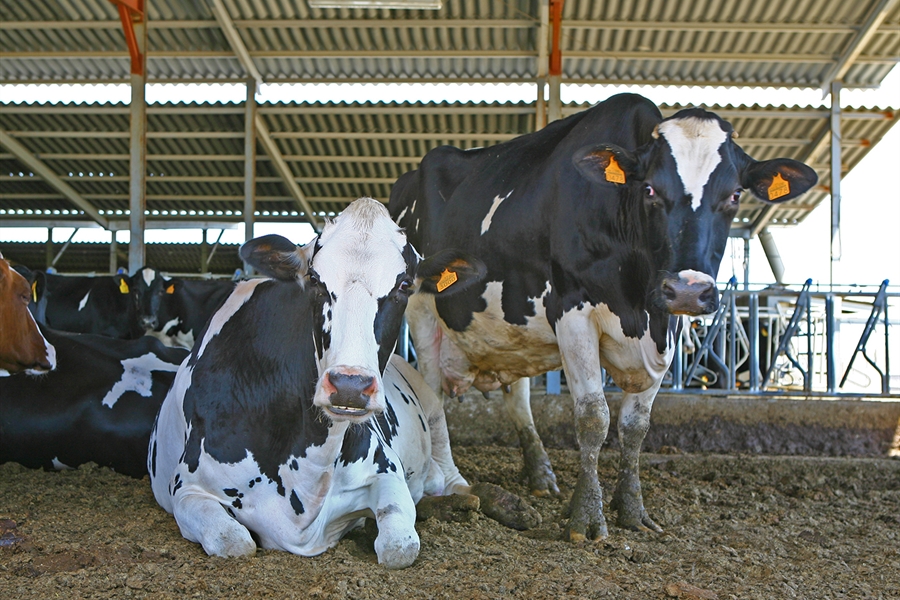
(736, 526)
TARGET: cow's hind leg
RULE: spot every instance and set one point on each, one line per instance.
(204, 520)
(536, 468)
(634, 421)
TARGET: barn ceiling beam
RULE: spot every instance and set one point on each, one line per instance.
(287, 176)
(373, 53)
(234, 40)
(38, 166)
(331, 24)
(851, 54)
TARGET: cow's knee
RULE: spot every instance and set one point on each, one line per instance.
(397, 544)
(205, 521)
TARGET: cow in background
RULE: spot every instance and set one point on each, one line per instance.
(598, 231)
(102, 304)
(22, 346)
(98, 405)
(176, 310)
(291, 422)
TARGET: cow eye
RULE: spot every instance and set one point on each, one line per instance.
(736, 198)
(649, 191)
(405, 287)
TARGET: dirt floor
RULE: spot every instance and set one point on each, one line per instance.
(735, 527)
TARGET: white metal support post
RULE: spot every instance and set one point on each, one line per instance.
(835, 178)
(249, 165)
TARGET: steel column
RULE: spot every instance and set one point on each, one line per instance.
(554, 111)
(835, 178)
(249, 164)
(540, 116)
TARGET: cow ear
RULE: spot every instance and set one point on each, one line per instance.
(778, 180)
(38, 285)
(275, 256)
(448, 272)
(606, 163)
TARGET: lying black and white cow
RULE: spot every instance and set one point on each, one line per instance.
(98, 405)
(596, 231)
(103, 305)
(176, 310)
(289, 424)
(22, 346)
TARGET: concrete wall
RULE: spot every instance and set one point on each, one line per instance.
(701, 423)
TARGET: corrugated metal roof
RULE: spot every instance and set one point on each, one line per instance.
(87, 258)
(337, 152)
(718, 42)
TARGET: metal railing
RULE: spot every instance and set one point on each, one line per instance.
(790, 343)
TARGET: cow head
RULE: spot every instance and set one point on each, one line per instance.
(150, 290)
(358, 275)
(688, 182)
(22, 346)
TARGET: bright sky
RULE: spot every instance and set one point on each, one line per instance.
(870, 205)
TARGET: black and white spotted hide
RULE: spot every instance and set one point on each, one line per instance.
(290, 423)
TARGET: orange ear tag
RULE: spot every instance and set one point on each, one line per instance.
(34, 290)
(779, 187)
(614, 173)
(447, 279)
(123, 287)
(170, 289)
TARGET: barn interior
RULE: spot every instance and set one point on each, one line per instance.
(137, 166)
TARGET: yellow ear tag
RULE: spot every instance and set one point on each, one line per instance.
(447, 279)
(34, 290)
(779, 187)
(170, 289)
(123, 287)
(614, 173)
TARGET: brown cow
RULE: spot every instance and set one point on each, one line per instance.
(22, 347)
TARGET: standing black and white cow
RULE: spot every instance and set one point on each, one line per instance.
(98, 405)
(596, 231)
(103, 305)
(288, 424)
(176, 310)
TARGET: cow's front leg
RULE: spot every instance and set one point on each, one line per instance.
(634, 421)
(536, 467)
(203, 519)
(580, 349)
(397, 544)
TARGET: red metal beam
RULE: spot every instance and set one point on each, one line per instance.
(556, 8)
(131, 12)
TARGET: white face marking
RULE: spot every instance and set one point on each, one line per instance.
(486, 222)
(695, 146)
(137, 377)
(149, 275)
(360, 257)
(4, 373)
(59, 465)
(83, 302)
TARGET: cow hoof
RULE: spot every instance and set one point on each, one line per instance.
(458, 508)
(397, 551)
(645, 524)
(230, 548)
(505, 507)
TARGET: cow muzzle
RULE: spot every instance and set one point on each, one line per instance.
(690, 293)
(347, 393)
(149, 323)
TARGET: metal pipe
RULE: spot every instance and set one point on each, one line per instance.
(768, 243)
